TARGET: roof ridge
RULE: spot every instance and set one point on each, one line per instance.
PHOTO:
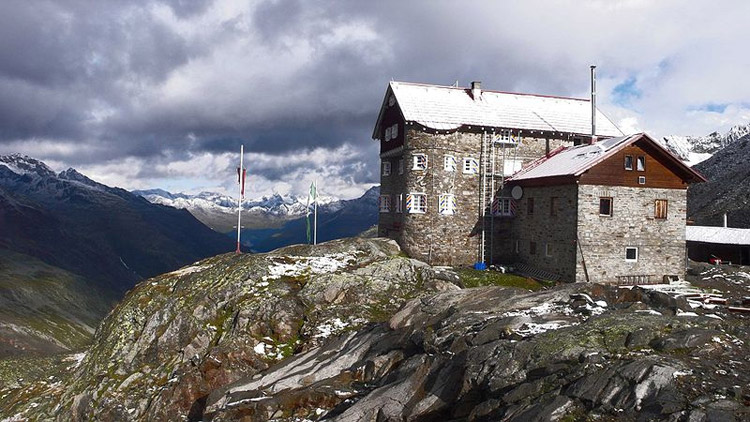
(494, 91)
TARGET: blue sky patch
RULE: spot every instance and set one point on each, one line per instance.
(710, 107)
(624, 93)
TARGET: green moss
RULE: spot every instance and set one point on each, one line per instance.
(475, 278)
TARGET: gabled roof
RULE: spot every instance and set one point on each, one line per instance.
(574, 161)
(449, 108)
(720, 235)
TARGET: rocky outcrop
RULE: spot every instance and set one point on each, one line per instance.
(505, 354)
(177, 337)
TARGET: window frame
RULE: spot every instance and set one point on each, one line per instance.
(640, 163)
(530, 206)
(422, 203)
(661, 209)
(387, 134)
(446, 159)
(634, 248)
(452, 204)
(394, 131)
(611, 206)
(399, 203)
(473, 167)
(384, 204)
(415, 162)
(641, 180)
(547, 250)
(628, 163)
(386, 168)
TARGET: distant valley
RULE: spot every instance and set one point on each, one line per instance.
(65, 238)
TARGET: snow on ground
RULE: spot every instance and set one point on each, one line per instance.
(307, 265)
(527, 327)
(189, 270)
(335, 326)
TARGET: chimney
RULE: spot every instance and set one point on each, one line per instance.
(725, 220)
(476, 90)
(593, 104)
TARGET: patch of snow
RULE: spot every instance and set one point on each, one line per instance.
(307, 265)
(714, 316)
(260, 348)
(648, 311)
(676, 374)
(189, 270)
(686, 314)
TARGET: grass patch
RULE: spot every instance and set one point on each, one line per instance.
(476, 278)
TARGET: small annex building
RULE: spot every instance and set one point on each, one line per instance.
(445, 153)
(610, 212)
(721, 244)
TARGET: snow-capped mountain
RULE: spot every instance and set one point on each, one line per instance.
(274, 205)
(694, 149)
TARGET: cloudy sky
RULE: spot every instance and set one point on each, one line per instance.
(161, 93)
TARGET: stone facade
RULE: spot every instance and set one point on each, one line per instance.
(660, 242)
(429, 236)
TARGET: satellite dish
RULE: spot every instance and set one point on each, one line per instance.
(516, 192)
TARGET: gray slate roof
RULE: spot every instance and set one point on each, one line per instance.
(720, 235)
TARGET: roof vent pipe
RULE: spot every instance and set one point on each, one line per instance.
(476, 90)
(593, 104)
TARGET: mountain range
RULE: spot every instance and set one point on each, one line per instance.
(219, 211)
(103, 239)
(695, 149)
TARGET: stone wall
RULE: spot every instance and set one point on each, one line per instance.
(660, 242)
(444, 239)
(552, 233)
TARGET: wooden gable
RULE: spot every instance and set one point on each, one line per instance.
(660, 171)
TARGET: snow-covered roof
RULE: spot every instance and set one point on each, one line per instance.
(573, 161)
(722, 235)
(448, 108)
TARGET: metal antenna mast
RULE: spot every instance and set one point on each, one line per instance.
(241, 182)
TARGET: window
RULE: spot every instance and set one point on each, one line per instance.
(387, 136)
(553, 206)
(449, 163)
(384, 203)
(661, 206)
(628, 162)
(530, 206)
(416, 203)
(641, 180)
(447, 204)
(518, 246)
(399, 203)
(386, 168)
(503, 207)
(547, 249)
(471, 166)
(532, 248)
(394, 131)
(631, 254)
(401, 166)
(419, 162)
(605, 207)
(641, 163)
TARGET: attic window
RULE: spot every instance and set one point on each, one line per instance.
(641, 163)
(387, 136)
(641, 180)
(631, 254)
(628, 162)
(419, 162)
(605, 206)
(394, 131)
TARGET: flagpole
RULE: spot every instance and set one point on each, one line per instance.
(240, 179)
(315, 219)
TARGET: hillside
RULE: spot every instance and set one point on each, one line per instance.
(75, 246)
(352, 330)
(695, 149)
(727, 189)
